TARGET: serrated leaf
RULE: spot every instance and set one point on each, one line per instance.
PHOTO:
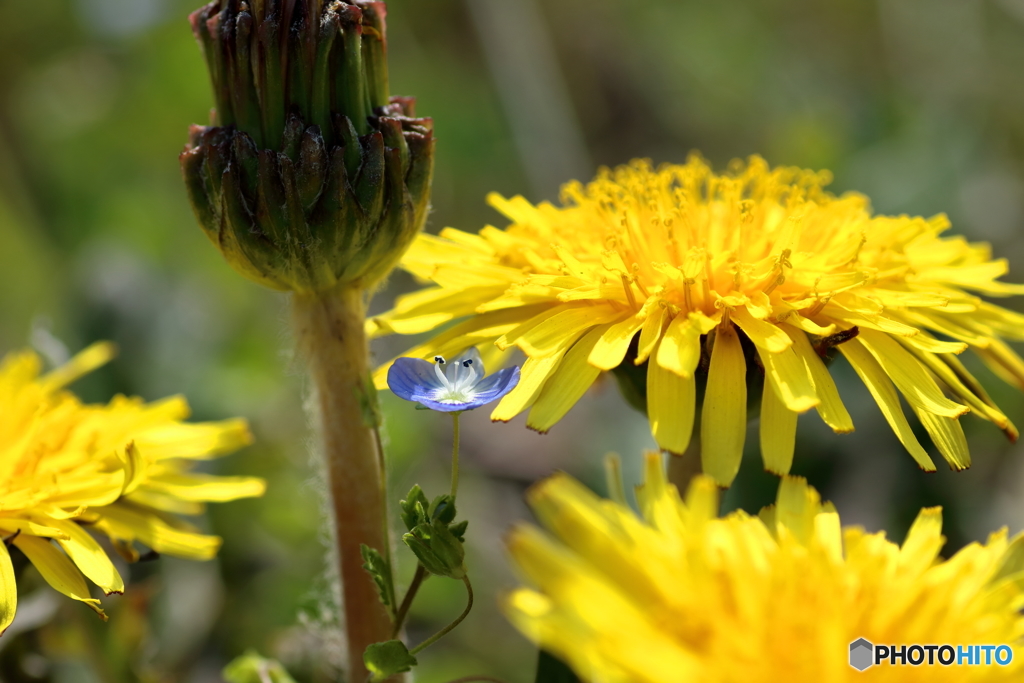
(377, 566)
(386, 659)
(251, 668)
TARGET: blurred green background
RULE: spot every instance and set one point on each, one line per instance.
(918, 103)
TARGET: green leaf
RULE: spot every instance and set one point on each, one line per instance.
(386, 659)
(251, 668)
(550, 669)
(377, 566)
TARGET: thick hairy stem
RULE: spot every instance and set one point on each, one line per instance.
(329, 329)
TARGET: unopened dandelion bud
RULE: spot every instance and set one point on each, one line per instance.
(311, 176)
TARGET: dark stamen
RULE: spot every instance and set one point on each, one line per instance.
(439, 360)
(467, 363)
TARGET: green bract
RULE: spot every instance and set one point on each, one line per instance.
(433, 538)
(313, 177)
(438, 549)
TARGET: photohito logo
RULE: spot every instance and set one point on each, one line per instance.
(864, 654)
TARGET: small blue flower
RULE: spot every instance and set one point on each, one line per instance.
(450, 387)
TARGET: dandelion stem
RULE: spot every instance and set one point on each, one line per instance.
(455, 455)
(386, 521)
(329, 330)
(448, 629)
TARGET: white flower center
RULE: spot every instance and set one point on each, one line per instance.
(458, 381)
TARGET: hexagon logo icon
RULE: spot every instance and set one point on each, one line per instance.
(861, 654)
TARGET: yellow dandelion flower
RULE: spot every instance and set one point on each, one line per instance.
(119, 469)
(705, 277)
(682, 595)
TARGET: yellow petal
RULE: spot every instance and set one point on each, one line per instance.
(124, 522)
(792, 378)
(923, 542)
(195, 441)
(680, 346)
(828, 532)
(906, 372)
(945, 372)
(553, 333)
(206, 487)
(796, 507)
(671, 400)
(764, 335)
(866, 321)
(97, 355)
(8, 589)
(948, 436)
(943, 324)
(89, 557)
(611, 348)
(567, 384)
(135, 468)
(831, 408)
(1004, 361)
(13, 525)
(651, 332)
(778, 430)
(58, 570)
(884, 393)
(723, 421)
(429, 309)
(532, 376)
(930, 344)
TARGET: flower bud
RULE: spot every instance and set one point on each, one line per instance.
(311, 176)
(438, 549)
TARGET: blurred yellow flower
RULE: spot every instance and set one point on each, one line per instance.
(682, 595)
(119, 469)
(708, 277)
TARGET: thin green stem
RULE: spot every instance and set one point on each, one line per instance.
(447, 629)
(403, 611)
(455, 455)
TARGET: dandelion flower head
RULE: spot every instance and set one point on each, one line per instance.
(683, 595)
(713, 279)
(121, 470)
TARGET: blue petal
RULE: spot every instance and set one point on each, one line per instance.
(495, 386)
(444, 407)
(413, 378)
